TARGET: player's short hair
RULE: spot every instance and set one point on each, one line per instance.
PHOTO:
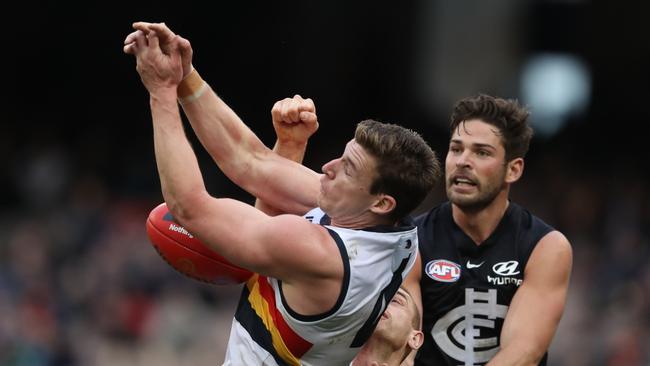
(407, 167)
(507, 115)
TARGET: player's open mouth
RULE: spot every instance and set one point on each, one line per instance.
(462, 181)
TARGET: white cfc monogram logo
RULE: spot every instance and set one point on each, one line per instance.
(465, 328)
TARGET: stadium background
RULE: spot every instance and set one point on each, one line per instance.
(79, 283)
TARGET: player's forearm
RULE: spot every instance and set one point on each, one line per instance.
(527, 330)
(180, 175)
(516, 355)
(294, 151)
(232, 145)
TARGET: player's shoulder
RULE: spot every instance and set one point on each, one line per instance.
(556, 239)
(528, 222)
(542, 235)
(524, 215)
(552, 251)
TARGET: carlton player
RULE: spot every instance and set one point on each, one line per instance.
(493, 277)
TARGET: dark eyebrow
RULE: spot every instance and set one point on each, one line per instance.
(483, 146)
(475, 145)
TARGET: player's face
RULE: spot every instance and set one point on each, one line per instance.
(345, 186)
(475, 168)
(396, 323)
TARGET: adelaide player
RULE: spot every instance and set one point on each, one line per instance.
(323, 281)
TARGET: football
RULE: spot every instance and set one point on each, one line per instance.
(188, 255)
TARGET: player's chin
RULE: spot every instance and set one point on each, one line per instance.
(460, 199)
(323, 203)
(456, 196)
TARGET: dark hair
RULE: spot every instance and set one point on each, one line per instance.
(507, 115)
(407, 168)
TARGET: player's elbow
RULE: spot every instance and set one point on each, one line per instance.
(247, 169)
(535, 356)
(186, 208)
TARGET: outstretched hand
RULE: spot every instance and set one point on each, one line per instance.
(167, 40)
(294, 119)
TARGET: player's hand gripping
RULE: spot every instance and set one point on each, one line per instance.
(167, 41)
(159, 71)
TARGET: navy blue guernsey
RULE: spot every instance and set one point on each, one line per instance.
(467, 288)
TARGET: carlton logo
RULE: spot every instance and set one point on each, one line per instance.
(443, 270)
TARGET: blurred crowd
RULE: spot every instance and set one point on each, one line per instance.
(81, 285)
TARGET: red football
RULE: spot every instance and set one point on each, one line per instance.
(187, 254)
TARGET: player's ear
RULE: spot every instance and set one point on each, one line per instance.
(384, 204)
(416, 338)
(514, 170)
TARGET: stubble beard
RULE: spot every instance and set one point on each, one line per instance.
(486, 194)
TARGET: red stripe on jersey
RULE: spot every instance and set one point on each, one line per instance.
(296, 344)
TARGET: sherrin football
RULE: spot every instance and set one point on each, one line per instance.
(186, 254)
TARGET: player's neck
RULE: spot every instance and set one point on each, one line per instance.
(365, 220)
(480, 224)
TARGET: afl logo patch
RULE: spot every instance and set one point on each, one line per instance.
(443, 270)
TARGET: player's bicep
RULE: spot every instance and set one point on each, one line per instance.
(291, 247)
(538, 305)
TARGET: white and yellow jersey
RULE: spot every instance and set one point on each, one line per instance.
(266, 331)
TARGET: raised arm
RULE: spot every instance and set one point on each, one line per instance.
(237, 151)
(286, 247)
(294, 120)
(538, 305)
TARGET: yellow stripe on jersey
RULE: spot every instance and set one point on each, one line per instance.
(264, 309)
